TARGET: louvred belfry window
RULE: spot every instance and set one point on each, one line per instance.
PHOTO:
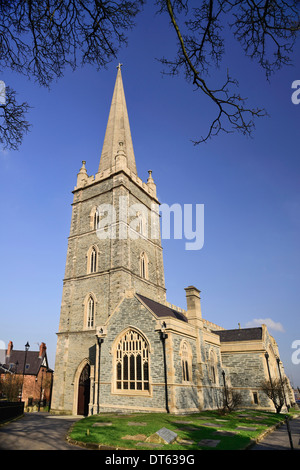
(132, 363)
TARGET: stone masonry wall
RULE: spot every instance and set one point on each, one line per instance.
(132, 313)
(246, 373)
(72, 350)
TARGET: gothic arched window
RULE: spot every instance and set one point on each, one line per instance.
(186, 362)
(144, 265)
(142, 227)
(93, 260)
(90, 312)
(132, 363)
(96, 219)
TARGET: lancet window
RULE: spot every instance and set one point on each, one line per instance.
(144, 265)
(186, 362)
(90, 312)
(93, 260)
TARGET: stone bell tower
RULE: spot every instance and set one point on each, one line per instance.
(114, 245)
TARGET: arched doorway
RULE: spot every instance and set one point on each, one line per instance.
(84, 391)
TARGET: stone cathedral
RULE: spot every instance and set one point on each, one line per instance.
(121, 346)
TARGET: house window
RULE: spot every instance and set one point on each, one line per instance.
(186, 361)
(90, 312)
(144, 266)
(255, 398)
(132, 363)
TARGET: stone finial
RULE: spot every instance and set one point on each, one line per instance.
(82, 176)
(83, 169)
(150, 179)
(150, 182)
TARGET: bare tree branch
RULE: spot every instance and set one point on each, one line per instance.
(13, 124)
(267, 31)
(255, 24)
(41, 38)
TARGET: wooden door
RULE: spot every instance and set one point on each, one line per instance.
(84, 391)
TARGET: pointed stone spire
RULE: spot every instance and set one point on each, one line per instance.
(117, 140)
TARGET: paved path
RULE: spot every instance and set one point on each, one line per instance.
(37, 431)
(279, 439)
(42, 431)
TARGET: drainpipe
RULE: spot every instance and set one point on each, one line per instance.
(100, 341)
(51, 388)
(267, 359)
(225, 388)
(163, 337)
(282, 386)
(100, 334)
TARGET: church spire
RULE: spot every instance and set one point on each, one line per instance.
(117, 140)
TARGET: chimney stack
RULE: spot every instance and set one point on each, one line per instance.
(194, 314)
(9, 348)
(42, 349)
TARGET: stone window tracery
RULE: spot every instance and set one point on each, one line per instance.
(132, 363)
(92, 257)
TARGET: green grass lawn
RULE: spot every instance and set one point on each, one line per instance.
(234, 431)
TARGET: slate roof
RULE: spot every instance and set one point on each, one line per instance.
(241, 334)
(33, 362)
(161, 310)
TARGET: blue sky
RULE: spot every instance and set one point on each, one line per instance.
(248, 268)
